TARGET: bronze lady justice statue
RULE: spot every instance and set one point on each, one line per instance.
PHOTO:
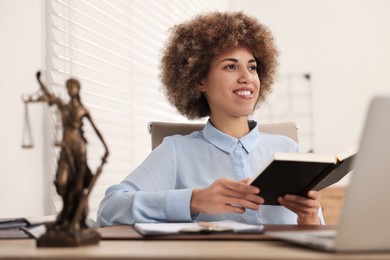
(74, 180)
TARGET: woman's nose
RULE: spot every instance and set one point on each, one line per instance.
(245, 77)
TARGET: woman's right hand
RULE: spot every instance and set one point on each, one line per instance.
(226, 195)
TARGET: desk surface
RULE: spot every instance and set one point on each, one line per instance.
(132, 246)
(142, 249)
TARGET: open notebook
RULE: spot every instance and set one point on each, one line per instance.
(365, 217)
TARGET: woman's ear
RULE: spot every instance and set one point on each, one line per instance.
(201, 87)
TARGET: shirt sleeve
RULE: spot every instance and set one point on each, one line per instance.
(148, 194)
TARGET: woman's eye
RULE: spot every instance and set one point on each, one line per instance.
(253, 68)
(230, 67)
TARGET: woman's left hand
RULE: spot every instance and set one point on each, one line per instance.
(305, 208)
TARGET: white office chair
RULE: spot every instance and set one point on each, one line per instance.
(159, 130)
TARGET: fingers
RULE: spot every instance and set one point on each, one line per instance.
(245, 202)
(300, 204)
(314, 195)
(296, 205)
(239, 194)
(233, 209)
(239, 186)
(299, 201)
(245, 180)
(241, 190)
(242, 195)
(305, 208)
(226, 195)
(211, 202)
(313, 199)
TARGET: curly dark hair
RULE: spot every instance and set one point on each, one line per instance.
(191, 46)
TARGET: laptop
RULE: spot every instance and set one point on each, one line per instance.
(365, 217)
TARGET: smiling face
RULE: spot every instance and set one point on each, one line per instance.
(232, 84)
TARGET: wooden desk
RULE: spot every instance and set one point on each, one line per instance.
(153, 249)
(128, 244)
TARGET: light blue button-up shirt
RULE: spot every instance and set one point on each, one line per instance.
(160, 189)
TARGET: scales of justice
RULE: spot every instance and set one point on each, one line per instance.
(73, 180)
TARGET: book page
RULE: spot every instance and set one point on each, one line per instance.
(305, 157)
(347, 153)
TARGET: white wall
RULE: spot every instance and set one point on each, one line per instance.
(344, 44)
(21, 52)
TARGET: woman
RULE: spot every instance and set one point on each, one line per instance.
(220, 65)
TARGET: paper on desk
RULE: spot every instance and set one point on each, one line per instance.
(176, 228)
(25, 221)
(35, 231)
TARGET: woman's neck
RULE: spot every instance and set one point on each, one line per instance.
(236, 127)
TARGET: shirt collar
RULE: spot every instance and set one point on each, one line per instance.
(227, 143)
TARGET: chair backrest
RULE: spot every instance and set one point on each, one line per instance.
(159, 130)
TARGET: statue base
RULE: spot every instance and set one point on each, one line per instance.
(67, 238)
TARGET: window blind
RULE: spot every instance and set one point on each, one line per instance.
(113, 48)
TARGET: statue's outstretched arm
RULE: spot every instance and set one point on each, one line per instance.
(46, 95)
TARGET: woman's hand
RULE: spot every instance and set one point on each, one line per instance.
(305, 208)
(226, 195)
